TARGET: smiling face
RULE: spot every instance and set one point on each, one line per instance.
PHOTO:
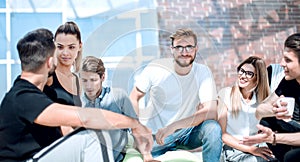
(67, 48)
(246, 80)
(290, 64)
(187, 56)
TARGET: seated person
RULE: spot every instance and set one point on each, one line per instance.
(92, 75)
(282, 132)
(237, 106)
(63, 85)
(29, 117)
(182, 106)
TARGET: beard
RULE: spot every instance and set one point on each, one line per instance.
(52, 71)
(184, 63)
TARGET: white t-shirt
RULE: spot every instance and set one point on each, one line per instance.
(245, 123)
(171, 96)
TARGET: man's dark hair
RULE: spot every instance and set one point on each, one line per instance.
(293, 43)
(35, 48)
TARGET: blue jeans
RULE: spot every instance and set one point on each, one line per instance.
(208, 134)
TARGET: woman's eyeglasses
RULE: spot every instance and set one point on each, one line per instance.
(188, 48)
(248, 74)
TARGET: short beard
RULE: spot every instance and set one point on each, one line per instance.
(184, 65)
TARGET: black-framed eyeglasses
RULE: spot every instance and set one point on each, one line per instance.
(188, 48)
(248, 74)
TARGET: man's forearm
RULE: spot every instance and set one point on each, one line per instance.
(195, 119)
(102, 119)
(264, 110)
(292, 139)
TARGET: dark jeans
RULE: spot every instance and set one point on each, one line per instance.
(284, 153)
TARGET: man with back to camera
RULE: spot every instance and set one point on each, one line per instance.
(30, 122)
(181, 110)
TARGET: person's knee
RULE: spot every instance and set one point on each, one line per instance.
(292, 156)
(211, 131)
(212, 127)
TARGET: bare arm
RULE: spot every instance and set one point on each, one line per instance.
(135, 96)
(265, 109)
(266, 135)
(205, 111)
(292, 139)
(64, 115)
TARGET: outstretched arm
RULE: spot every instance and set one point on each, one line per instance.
(65, 115)
(267, 135)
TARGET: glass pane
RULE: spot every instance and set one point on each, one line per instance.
(35, 4)
(21, 23)
(15, 71)
(2, 81)
(88, 25)
(2, 3)
(2, 36)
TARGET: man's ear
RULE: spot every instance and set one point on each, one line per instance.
(50, 62)
(80, 47)
(103, 77)
(171, 49)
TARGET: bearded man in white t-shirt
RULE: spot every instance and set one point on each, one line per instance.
(182, 107)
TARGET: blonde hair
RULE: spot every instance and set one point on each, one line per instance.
(262, 88)
(181, 33)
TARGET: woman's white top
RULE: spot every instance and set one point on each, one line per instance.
(245, 123)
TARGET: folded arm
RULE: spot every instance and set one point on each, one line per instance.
(205, 111)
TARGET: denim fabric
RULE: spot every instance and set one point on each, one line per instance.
(233, 155)
(208, 135)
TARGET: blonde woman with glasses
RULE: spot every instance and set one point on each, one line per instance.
(237, 106)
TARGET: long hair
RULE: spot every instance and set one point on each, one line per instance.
(261, 89)
(71, 28)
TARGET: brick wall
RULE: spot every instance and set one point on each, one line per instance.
(230, 30)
